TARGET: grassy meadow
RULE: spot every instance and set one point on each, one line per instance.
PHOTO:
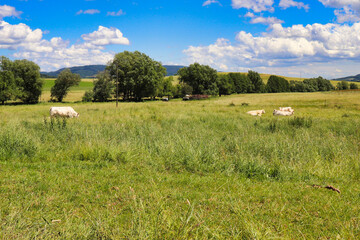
(183, 170)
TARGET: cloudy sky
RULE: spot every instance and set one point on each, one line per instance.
(296, 38)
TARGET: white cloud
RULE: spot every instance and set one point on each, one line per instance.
(56, 52)
(115, 14)
(355, 4)
(347, 10)
(208, 2)
(284, 4)
(8, 11)
(255, 5)
(89, 11)
(13, 36)
(105, 36)
(263, 20)
(346, 15)
(282, 47)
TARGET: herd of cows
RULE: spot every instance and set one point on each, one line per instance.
(69, 112)
(283, 111)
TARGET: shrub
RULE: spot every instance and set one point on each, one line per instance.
(88, 96)
(353, 86)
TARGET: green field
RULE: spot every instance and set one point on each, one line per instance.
(183, 170)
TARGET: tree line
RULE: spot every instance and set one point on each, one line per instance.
(134, 76)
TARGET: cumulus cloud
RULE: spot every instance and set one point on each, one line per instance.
(105, 36)
(255, 5)
(89, 11)
(355, 4)
(56, 52)
(208, 2)
(8, 11)
(116, 14)
(346, 15)
(13, 36)
(347, 10)
(282, 47)
(284, 4)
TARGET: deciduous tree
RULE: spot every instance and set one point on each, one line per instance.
(64, 81)
(139, 76)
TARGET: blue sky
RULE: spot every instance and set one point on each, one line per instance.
(285, 37)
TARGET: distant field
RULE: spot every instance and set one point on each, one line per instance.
(183, 170)
(75, 93)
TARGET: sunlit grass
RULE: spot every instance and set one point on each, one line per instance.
(183, 170)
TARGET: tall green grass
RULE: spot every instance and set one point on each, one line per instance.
(183, 170)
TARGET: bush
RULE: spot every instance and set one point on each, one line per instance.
(88, 96)
(343, 85)
(353, 86)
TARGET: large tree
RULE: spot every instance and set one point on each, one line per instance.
(27, 77)
(7, 81)
(241, 82)
(103, 87)
(256, 81)
(138, 75)
(277, 84)
(203, 79)
(64, 81)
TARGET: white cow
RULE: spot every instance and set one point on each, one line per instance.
(286, 109)
(66, 112)
(256, 112)
(282, 113)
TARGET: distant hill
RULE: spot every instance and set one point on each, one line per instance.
(355, 78)
(172, 69)
(90, 71)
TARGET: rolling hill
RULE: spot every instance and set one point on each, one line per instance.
(90, 71)
(355, 78)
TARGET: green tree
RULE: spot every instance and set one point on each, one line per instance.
(343, 85)
(166, 87)
(7, 81)
(256, 81)
(27, 78)
(353, 86)
(324, 84)
(277, 84)
(311, 85)
(64, 81)
(103, 87)
(139, 76)
(203, 79)
(297, 86)
(241, 82)
(225, 85)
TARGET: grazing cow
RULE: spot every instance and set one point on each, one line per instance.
(282, 113)
(65, 112)
(286, 109)
(256, 112)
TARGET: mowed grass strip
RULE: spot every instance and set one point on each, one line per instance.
(183, 170)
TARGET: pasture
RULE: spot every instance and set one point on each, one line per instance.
(183, 170)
